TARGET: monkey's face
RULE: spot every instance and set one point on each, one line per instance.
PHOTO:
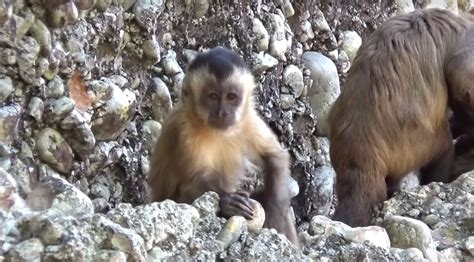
(222, 104)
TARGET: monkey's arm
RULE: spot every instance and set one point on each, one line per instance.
(275, 197)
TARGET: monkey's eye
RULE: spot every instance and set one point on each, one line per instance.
(212, 96)
(231, 96)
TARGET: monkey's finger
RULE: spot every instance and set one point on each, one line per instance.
(244, 210)
(231, 210)
(243, 193)
(242, 200)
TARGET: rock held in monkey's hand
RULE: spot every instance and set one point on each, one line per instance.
(256, 223)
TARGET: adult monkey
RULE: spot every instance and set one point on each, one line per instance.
(208, 139)
(392, 114)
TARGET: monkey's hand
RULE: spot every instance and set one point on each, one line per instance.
(235, 204)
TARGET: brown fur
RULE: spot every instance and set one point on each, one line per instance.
(392, 114)
(191, 158)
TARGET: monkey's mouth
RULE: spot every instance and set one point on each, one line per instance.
(220, 124)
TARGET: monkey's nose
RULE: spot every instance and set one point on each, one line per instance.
(221, 114)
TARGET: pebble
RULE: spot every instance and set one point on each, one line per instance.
(200, 7)
(351, 41)
(36, 108)
(161, 97)
(232, 230)
(54, 88)
(151, 49)
(57, 109)
(404, 6)
(9, 119)
(151, 131)
(278, 43)
(255, 224)
(408, 232)
(54, 150)
(147, 11)
(28, 250)
(293, 77)
(170, 64)
(262, 38)
(287, 101)
(262, 62)
(325, 83)
(6, 88)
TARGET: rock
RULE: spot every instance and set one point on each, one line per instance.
(469, 245)
(200, 7)
(320, 23)
(7, 56)
(170, 65)
(151, 132)
(321, 190)
(288, 8)
(101, 205)
(100, 188)
(103, 91)
(232, 230)
(305, 31)
(28, 54)
(103, 4)
(207, 203)
(9, 197)
(25, 175)
(351, 41)
(404, 6)
(261, 62)
(256, 223)
(122, 239)
(161, 98)
(56, 194)
(45, 229)
(190, 55)
(28, 250)
(443, 206)
(325, 87)
(147, 11)
(407, 232)
(177, 84)
(41, 34)
(450, 5)
(375, 235)
(151, 49)
(54, 88)
(112, 118)
(158, 223)
(465, 5)
(57, 109)
(287, 101)
(78, 133)
(54, 150)
(36, 108)
(262, 38)
(110, 256)
(409, 254)
(278, 43)
(126, 4)
(6, 88)
(9, 119)
(294, 187)
(293, 77)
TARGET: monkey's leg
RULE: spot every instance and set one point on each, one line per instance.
(459, 75)
(358, 192)
(393, 185)
(438, 169)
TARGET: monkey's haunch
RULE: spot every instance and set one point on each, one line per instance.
(392, 114)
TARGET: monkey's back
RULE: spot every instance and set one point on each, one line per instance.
(394, 101)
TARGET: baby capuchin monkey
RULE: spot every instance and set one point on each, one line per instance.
(209, 138)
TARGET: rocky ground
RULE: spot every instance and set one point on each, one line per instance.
(85, 85)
